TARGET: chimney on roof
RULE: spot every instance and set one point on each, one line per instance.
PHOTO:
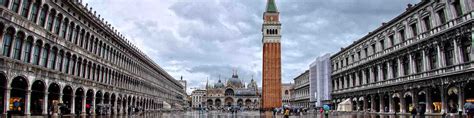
(384, 23)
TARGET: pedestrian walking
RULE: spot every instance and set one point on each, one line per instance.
(287, 113)
(413, 112)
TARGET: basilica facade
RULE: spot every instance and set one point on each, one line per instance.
(232, 93)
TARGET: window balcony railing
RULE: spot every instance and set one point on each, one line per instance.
(411, 41)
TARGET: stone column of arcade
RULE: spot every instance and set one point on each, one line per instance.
(27, 103)
(364, 106)
(83, 110)
(403, 104)
(392, 103)
(461, 99)
(382, 103)
(7, 100)
(444, 101)
(93, 105)
(73, 103)
(372, 106)
(429, 101)
(45, 103)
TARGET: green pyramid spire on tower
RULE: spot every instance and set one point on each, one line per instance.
(271, 7)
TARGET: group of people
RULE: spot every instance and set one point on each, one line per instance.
(287, 111)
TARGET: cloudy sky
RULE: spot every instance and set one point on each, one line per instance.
(200, 39)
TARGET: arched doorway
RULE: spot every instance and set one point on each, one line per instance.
(229, 101)
(37, 97)
(453, 99)
(240, 102)
(469, 92)
(106, 101)
(248, 103)
(17, 95)
(53, 96)
(436, 100)
(218, 103)
(360, 104)
(422, 100)
(98, 101)
(89, 99)
(78, 100)
(119, 104)
(369, 103)
(396, 103)
(67, 99)
(3, 86)
(354, 104)
(124, 104)
(386, 102)
(210, 103)
(377, 103)
(112, 103)
(409, 106)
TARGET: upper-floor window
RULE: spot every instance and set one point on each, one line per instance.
(366, 52)
(16, 6)
(466, 48)
(433, 58)
(419, 62)
(441, 16)
(449, 53)
(25, 8)
(382, 44)
(384, 71)
(7, 42)
(374, 49)
(457, 7)
(352, 58)
(414, 29)
(394, 66)
(427, 23)
(5, 2)
(43, 11)
(347, 61)
(376, 73)
(406, 65)
(367, 75)
(34, 11)
(358, 55)
(18, 44)
(391, 39)
(36, 52)
(402, 35)
(28, 47)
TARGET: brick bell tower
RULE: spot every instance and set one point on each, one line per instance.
(271, 29)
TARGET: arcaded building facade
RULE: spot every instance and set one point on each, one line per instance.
(61, 52)
(421, 58)
(301, 97)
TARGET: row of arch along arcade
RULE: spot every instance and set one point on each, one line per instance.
(433, 99)
(19, 97)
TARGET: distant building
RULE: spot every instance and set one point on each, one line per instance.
(301, 91)
(320, 81)
(184, 83)
(233, 93)
(286, 93)
(197, 98)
